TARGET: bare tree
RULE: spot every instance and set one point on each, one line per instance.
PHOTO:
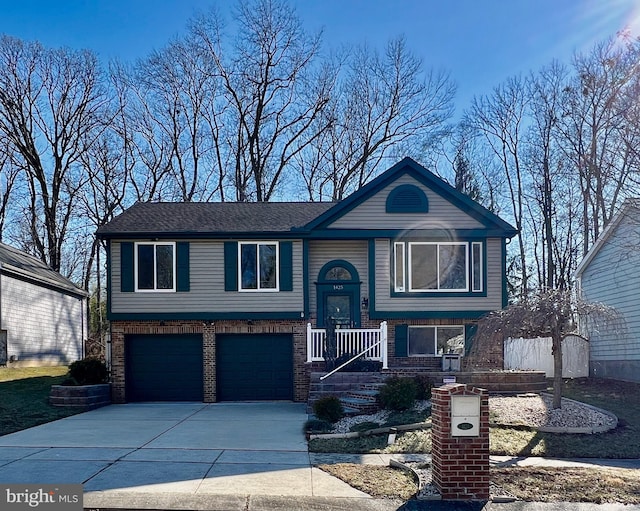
(551, 313)
(499, 120)
(9, 174)
(51, 110)
(273, 94)
(383, 105)
(596, 131)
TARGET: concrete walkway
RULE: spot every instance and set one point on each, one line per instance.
(223, 456)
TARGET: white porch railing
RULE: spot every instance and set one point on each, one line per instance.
(371, 341)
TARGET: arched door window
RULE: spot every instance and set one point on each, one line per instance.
(338, 295)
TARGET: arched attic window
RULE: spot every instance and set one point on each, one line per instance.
(407, 199)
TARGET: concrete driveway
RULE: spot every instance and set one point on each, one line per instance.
(154, 449)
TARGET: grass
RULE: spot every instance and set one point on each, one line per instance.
(377, 481)
(602, 485)
(24, 397)
(621, 398)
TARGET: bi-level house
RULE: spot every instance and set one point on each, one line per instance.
(229, 301)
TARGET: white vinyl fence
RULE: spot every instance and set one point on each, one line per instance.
(535, 354)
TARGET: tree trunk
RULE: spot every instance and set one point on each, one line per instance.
(558, 382)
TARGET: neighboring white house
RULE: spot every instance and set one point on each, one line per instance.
(610, 274)
(43, 315)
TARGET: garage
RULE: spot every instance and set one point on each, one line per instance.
(163, 367)
(254, 367)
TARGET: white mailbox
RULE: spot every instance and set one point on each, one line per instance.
(465, 415)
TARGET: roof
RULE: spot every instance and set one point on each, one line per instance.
(195, 219)
(627, 206)
(23, 265)
(213, 217)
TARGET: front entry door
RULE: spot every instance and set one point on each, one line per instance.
(339, 307)
(338, 293)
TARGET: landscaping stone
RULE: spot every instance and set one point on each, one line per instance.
(82, 396)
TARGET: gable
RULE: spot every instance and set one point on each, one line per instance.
(436, 205)
(372, 213)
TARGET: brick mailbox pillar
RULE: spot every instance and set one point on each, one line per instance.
(460, 438)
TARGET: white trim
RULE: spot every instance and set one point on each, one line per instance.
(155, 283)
(481, 288)
(258, 289)
(396, 288)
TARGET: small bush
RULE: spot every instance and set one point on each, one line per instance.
(398, 393)
(317, 426)
(328, 408)
(423, 385)
(89, 371)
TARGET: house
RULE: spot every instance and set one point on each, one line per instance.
(609, 274)
(229, 301)
(43, 315)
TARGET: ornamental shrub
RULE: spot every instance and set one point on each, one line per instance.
(328, 408)
(89, 371)
(423, 385)
(398, 393)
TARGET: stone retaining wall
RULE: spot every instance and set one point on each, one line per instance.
(82, 396)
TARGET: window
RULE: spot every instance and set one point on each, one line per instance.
(155, 267)
(431, 266)
(476, 266)
(258, 262)
(435, 340)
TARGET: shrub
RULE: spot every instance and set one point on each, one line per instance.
(423, 385)
(328, 408)
(88, 371)
(317, 426)
(398, 393)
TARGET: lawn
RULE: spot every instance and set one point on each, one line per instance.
(621, 398)
(527, 483)
(24, 397)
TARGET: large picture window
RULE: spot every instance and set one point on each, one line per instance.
(425, 341)
(155, 266)
(258, 266)
(421, 266)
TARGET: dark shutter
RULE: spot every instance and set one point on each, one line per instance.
(469, 334)
(182, 264)
(402, 334)
(230, 265)
(126, 267)
(286, 266)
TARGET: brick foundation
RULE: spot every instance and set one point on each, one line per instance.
(208, 330)
(460, 464)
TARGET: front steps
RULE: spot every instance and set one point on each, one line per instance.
(357, 391)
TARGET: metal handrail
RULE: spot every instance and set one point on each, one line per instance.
(333, 371)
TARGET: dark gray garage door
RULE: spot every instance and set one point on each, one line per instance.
(163, 368)
(254, 367)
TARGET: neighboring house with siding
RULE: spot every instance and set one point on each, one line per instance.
(610, 274)
(43, 315)
(229, 301)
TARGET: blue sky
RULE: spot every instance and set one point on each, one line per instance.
(480, 42)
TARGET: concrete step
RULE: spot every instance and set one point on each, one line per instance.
(364, 406)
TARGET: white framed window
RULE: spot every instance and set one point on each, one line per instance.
(438, 266)
(258, 263)
(434, 341)
(476, 267)
(398, 269)
(155, 266)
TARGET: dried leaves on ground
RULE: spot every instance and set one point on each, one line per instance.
(597, 485)
(377, 481)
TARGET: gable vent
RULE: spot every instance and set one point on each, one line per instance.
(407, 199)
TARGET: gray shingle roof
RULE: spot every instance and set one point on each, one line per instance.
(213, 217)
(24, 265)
